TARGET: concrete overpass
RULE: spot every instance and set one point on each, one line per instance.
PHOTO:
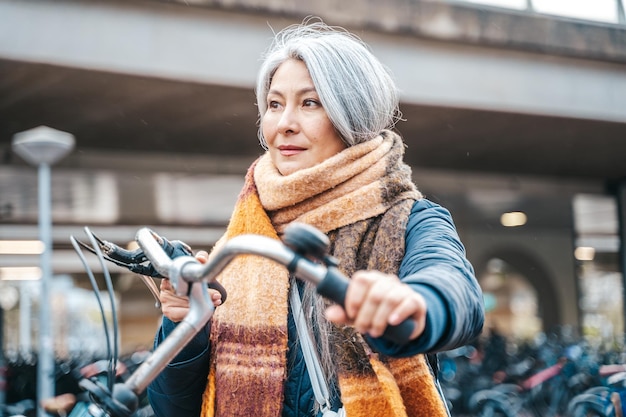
(504, 110)
(156, 76)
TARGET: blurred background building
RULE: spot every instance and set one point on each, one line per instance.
(515, 120)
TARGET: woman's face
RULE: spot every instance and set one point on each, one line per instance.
(297, 129)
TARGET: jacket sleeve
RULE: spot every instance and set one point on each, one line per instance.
(177, 390)
(435, 265)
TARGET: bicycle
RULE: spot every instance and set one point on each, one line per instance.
(537, 395)
(607, 400)
(303, 251)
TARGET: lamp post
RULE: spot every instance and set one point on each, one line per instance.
(3, 365)
(8, 299)
(42, 147)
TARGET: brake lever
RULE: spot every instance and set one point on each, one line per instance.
(136, 261)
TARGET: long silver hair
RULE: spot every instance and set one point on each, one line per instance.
(360, 98)
(355, 88)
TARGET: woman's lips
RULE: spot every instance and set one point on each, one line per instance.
(288, 150)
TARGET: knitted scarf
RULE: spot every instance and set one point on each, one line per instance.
(361, 198)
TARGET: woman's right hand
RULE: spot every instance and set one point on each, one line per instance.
(176, 307)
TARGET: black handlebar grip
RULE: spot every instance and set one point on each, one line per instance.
(400, 334)
(334, 287)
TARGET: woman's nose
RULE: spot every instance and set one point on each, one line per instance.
(288, 122)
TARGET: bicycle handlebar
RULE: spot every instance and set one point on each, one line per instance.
(327, 278)
(300, 244)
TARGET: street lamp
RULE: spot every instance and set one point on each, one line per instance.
(42, 147)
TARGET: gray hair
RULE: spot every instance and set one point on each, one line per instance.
(355, 88)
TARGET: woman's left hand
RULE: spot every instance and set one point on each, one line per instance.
(375, 300)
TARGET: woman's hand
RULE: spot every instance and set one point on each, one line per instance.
(176, 307)
(375, 300)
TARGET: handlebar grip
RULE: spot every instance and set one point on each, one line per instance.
(334, 287)
(400, 334)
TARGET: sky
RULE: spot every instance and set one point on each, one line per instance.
(599, 10)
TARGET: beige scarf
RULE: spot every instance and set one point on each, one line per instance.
(362, 198)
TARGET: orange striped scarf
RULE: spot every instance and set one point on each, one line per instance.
(362, 198)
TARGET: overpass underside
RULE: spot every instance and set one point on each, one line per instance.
(492, 100)
(482, 90)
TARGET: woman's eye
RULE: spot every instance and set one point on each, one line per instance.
(311, 102)
(273, 104)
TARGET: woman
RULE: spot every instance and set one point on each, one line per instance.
(326, 107)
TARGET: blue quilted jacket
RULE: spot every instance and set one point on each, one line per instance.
(434, 265)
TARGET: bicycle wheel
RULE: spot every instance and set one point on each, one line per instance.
(492, 403)
(594, 404)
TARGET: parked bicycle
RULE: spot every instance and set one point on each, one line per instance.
(605, 400)
(544, 393)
